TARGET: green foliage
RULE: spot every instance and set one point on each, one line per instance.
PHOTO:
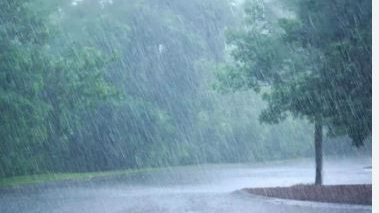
(314, 62)
(22, 113)
(343, 36)
(41, 91)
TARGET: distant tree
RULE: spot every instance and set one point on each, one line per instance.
(314, 62)
(74, 85)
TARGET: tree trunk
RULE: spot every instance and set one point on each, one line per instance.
(318, 149)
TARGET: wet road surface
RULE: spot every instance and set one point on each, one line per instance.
(192, 189)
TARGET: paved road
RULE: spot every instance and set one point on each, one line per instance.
(192, 189)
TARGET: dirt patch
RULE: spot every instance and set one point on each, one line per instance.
(351, 194)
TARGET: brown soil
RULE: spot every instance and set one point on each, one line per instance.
(351, 194)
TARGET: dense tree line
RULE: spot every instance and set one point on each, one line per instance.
(98, 85)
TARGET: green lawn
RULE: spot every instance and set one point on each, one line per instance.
(44, 178)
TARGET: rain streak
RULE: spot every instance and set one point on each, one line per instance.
(194, 106)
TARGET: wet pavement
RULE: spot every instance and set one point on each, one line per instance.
(192, 189)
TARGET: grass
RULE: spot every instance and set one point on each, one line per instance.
(53, 177)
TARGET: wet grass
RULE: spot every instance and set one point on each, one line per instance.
(55, 177)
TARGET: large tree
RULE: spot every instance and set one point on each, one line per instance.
(313, 61)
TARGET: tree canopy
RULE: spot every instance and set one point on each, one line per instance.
(315, 60)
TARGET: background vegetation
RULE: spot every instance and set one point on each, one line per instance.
(104, 85)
